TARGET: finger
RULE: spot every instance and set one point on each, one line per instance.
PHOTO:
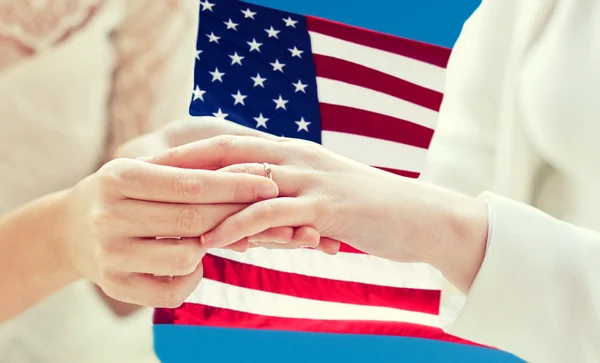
(164, 256)
(239, 246)
(289, 180)
(292, 237)
(149, 290)
(192, 128)
(147, 219)
(217, 152)
(328, 245)
(279, 235)
(143, 181)
(258, 217)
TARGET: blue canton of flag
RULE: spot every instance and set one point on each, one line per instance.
(256, 70)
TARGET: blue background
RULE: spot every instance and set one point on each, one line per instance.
(433, 21)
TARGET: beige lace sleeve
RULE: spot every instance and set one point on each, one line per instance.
(154, 77)
(28, 27)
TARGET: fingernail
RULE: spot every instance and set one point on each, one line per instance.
(267, 190)
(205, 239)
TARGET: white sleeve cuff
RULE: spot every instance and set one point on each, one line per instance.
(452, 299)
(535, 294)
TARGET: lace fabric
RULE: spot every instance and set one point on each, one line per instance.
(30, 26)
(148, 42)
(151, 82)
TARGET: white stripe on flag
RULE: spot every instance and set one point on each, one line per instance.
(217, 294)
(353, 267)
(408, 69)
(376, 152)
(344, 94)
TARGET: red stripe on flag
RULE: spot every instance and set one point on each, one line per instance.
(404, 173)
(349, 249)
(424, 52)
(316, 288)
(358, 75)
(365, 123)
(202, 315)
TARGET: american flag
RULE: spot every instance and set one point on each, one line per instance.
(369, 96)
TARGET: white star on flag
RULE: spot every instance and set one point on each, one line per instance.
(258, 80)
(206, 5)
(213, 38)
(272, 33)
(235, 58)
(254, 45)
(296, 52)
(217, 76)
(239, 98)
(302, 125)
(198, 94)
(277, 66)
(261, 121)
(220, 115)
(290, 22)
(280, 103)
(248, 14)
(231, 25)
(300, 86)
(198, 52)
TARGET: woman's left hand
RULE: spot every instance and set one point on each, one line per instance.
(374, 211)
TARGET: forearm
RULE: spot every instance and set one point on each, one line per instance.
(33, 264)
(450, 229)
(460, 248)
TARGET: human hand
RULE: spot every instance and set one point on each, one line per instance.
(374, 211)
(181, 132)
(133, 227)
(192, 129)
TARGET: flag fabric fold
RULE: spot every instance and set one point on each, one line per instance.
(368, 96)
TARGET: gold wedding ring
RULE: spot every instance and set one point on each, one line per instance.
(268, 171)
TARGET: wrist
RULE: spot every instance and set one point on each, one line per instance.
(61, 244)
(33, 262)
(460, 246)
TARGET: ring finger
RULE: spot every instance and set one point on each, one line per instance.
(289, 180)
(138, 218)
(162, 256)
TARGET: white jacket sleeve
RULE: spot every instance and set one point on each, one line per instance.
(461, 155)
(537, 294)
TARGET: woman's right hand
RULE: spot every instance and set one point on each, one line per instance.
(133, 226)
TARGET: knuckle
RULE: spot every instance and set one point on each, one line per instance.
(190, 220)
(187, 185)
(112, 174)
(267, 211)
(238, 191)
(172, 153)
(321, 207)
(109, 251)
(241, 169)
(226, 142)
(172, 295)
(101, 217)
(185, 263)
